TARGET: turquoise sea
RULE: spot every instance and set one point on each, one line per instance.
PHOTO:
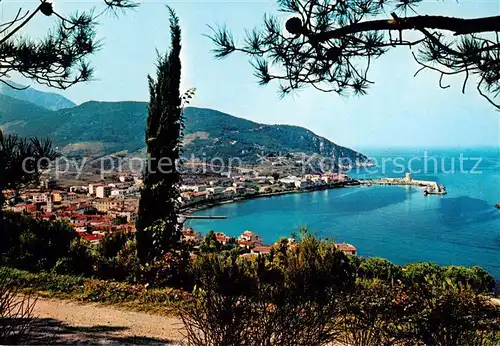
(394, 222)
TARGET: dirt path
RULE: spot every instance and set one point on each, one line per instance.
(63, 322)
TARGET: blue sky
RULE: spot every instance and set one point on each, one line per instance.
(399, 110)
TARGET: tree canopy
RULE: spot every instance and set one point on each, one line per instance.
(157, 222)
(331, 44)
(60, 59)
(310, 293)
(21, 162)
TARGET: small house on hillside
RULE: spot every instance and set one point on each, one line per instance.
(348, 249)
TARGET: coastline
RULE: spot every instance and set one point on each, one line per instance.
(211, 204)
(208, 205)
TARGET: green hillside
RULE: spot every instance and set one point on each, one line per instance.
(107, 127)
(25, 118)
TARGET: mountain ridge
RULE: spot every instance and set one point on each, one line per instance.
(104, 127)
(49, 100)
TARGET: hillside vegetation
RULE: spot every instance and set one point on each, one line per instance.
(305, 293)
(95, 128)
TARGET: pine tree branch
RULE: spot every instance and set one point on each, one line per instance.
(459, 26)
(10, 34)
(12, 86)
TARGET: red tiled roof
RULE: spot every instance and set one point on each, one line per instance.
(47, 215)
(222, 238)
(262, 249)
(30, 207)
(246, 243)
(92, 236)
(345, 247)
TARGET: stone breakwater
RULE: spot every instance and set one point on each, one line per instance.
(430, 187)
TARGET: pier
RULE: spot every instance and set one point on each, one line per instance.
(430, 187)
(182, 218)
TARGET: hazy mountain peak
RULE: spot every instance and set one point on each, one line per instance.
(48, 100)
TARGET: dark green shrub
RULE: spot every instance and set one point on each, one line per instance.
(123, 266)
(422, 271)
(165, 296)
(81, 259)
(451, 315)
(475, 277)
(482, 280)
(174, 270)
(113, 292)
(112, 243)
(209, 243)
(374, 314)
(311, 294)
(92, 289)
(44, 281)
(34, 244)
(379, 268)
(294, 299)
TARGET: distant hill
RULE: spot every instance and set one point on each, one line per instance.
(218, 134)
(97, 128)
(48, 100)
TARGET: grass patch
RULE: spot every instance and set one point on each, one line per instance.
(137, 297)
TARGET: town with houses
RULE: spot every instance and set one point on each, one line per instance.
(95, 209)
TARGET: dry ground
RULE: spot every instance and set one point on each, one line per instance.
(68, 322)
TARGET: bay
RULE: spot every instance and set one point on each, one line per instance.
(394, 222)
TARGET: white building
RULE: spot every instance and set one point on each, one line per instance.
(92, 188)
(289, 181)
(303, 184)
(200, 188)
(103, 191)
(215, 190)
(117, 193)
(190, 235)
(194, 197)
(186, 188)
(50, 204)
(40, 197)
(250, 237)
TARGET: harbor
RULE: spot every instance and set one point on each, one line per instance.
(430, 187)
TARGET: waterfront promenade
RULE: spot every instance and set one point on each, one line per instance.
(430, 188)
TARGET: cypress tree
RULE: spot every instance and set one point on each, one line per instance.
(157, 225)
